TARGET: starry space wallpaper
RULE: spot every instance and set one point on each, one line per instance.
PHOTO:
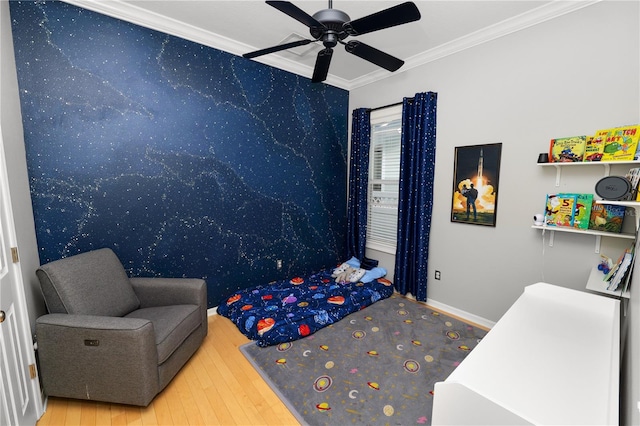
(185, 160)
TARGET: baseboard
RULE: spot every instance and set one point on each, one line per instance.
(461, 314)
(45, 403)
(212, 311)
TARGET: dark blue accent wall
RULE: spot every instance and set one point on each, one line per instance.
(185, 160)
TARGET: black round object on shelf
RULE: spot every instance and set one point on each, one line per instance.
(613, 188)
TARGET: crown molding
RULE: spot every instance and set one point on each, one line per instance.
(128, 12)
(528, 19)
(531, 18)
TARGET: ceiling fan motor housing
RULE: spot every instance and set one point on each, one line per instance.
(333, 20)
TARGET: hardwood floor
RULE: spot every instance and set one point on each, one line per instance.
(218, 386)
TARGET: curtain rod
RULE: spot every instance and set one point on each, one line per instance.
(390, 105)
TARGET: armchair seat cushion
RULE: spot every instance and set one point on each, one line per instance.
(172, 325)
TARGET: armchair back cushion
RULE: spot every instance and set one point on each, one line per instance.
(92, 283)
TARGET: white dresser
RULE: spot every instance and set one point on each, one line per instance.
(552, 359)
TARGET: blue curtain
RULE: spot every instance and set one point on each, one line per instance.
(417, 162)
(358, 179)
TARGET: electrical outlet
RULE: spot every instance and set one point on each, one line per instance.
(437, 275)
(279, 264)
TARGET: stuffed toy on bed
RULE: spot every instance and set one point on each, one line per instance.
(350, 271)
(350, 274)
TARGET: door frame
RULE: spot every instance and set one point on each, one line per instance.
(24, 337)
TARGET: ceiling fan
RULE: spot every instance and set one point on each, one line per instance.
(332, 26)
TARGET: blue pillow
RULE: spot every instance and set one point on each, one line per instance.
(353, 262)
(372, 274)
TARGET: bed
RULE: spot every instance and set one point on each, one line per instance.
(290, 309)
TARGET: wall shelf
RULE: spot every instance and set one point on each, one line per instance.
(605, 164)
(595, 283)
(597, 234)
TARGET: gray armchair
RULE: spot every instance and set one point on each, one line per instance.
(112, 338)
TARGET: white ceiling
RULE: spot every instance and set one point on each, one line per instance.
(241, 26)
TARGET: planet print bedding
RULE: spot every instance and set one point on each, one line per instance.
(290, 309)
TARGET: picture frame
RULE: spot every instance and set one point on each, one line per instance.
(476, 173)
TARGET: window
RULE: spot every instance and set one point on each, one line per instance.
(384, 179)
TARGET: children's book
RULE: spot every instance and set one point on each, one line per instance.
(606, 217)
(633, 176)
(621, 271)
(593, 149)
(620, 143)
(560, 209)
(583, 206)
(567, 150)
(627, 279)
(614, 269)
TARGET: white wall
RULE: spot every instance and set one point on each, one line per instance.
(12, 136)
(568, 76)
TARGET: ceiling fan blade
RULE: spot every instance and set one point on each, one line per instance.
(374, 55)
(276, 48)
(296, 13)
(396, 15)
(321, 69)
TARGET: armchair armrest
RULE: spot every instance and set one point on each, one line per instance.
(98, 358)
(170, 291)
(93, 323)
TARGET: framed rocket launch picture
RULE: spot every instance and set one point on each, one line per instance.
(476, 172)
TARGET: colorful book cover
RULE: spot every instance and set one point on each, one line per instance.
(560, 209)
(633, 176)
(621, 272)
(620, 143)
(567, 150)
(584, 203)
(593, 149)
(615, 267)
(606, 217)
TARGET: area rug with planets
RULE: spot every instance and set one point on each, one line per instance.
(376, 366)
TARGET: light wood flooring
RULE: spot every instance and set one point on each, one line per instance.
(218, 386)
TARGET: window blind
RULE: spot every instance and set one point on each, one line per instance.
(384, 174)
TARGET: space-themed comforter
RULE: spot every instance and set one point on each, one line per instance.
(288, 310)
